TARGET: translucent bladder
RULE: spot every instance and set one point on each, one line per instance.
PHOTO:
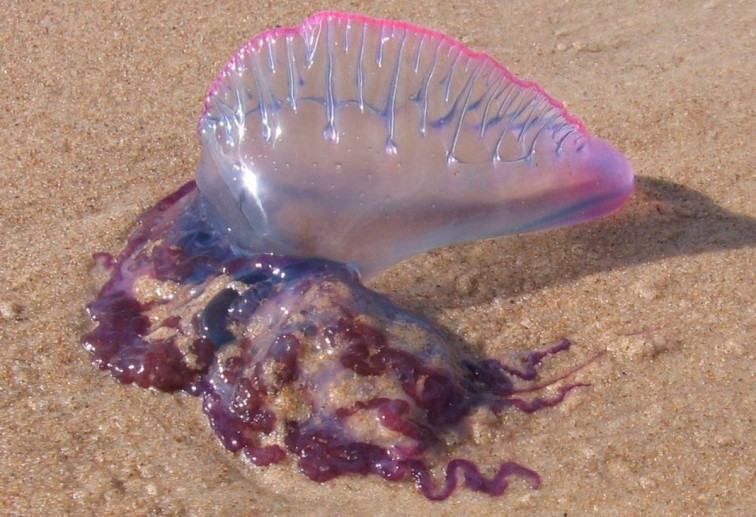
(367, 141)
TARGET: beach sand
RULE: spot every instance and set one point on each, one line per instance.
(101, 103)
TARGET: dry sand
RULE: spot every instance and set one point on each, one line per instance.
(100, 103)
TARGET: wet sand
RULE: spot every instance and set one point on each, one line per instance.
(100, 106)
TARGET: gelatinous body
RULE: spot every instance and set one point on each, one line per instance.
(296, 356)
(391, 140)
(330, 151)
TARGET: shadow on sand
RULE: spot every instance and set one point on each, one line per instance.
(662, 220)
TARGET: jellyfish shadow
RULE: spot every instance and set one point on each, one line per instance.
(662, 220)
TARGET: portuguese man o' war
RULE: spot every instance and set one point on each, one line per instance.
(331, 151)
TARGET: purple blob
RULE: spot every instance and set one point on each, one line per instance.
(329, 151)
(296, 356)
